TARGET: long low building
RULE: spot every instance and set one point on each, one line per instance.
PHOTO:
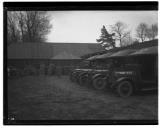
(64, 55)
(60, 54)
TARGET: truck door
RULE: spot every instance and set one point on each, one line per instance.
(148, 71)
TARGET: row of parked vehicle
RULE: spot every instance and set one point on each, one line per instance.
(124, 72)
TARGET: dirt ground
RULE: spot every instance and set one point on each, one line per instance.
(57, 98)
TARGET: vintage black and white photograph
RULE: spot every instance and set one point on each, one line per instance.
(81, 65)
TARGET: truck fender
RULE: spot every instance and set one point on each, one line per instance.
(83, 73)
(97, 75)
(119, 80)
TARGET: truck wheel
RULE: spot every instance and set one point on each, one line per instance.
(99, 83)
(124, 89)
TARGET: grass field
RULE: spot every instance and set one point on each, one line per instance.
(56, 98)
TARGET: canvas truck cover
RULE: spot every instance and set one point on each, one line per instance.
(103, 56)
(146, 51)
(93, 57)
(122, 53)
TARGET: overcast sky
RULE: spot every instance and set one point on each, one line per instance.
(85, 26)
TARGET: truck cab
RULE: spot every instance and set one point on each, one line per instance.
(87, 69)
(83, 67)
(141, 76)
(98, 69)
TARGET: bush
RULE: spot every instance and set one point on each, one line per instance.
(30, 70)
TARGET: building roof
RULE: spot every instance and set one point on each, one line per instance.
(65, 56)
(121, 53)
(127, 52)
(104, 55)
(136, 46)
(49, 50)
(146, 51)
(93, 57)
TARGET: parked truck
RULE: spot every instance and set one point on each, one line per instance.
(128, 73)
(138, 72)
(84, 74)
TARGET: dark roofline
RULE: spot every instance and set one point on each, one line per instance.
(138, 45)
(78, 49)
(54, 43)
(135, 46)
(70, 42)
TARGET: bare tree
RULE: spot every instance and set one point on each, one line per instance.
(142, 30)
(154, 28)
(32, 26)
(128, 40)
(149, 33)
(21, 22)
(120, 31)
(12, 29)
(37, 24)
(152, 32)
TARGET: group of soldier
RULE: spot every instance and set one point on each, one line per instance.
(42, 69)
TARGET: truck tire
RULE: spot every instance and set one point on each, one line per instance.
(99, 83)
(124, 89)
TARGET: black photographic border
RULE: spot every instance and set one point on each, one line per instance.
(68, 6)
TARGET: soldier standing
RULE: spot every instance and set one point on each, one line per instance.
(58, 71)
(42, 69)
(51, 69)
